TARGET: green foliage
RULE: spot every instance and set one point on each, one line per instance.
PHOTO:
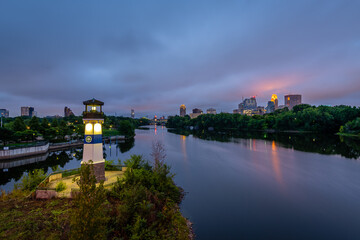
(27, 135)
(126, 128)
(301, 118)
(54, 123)
(352, 127)
(89, 217)
(6, 135)
(21, 218)
(19, 124)
(34, 124)
(61, 186)
(32, 180)
(142, 205)
(150, 199)
(45, 124)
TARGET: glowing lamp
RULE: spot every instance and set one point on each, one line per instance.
(88, 127)
(97, 128)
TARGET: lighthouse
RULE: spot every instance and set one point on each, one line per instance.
(93, 118)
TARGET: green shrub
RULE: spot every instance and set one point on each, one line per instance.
(89, 217)
(32, 180)
(61, 186)
(149, 203)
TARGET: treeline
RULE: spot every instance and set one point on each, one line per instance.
(301, 118)
(22, 129)
(29, 129)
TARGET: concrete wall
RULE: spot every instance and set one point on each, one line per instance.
(22, 152)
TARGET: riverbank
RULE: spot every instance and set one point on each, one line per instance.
(144, 204)
(38, 149)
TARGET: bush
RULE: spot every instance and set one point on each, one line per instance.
(149, 203)
(61, 186)
(32, 180)
(89, 218)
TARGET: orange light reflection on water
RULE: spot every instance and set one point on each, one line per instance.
(183, 147)
(276, 163)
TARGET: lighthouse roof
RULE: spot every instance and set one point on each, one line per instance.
(93, 102)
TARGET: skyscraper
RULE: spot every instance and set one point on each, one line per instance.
(292, 100)
(31, 112)
(4, 113)
(250, 103)
(197, 110)
(27, 112)
(275, 100)
(182, 110)
(211, 111)
(132, 113)
(68, 112)
(270, 107)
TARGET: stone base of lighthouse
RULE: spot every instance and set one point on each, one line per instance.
(98, 169)
(94, 152)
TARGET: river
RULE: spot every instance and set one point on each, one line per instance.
(254, 186)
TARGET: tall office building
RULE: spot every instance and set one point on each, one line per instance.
(132, 113)
(270, 107)
(182, 110)
(250, 103)
(195, 113)
(197, 110)
(292, 100)
(32, 113)
(68, 112)
(24, 111)
(211, 111)
(27, 112)
(274, 99)
(4, 113)
(240, 108)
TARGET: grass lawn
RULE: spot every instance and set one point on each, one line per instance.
(31, 219)
(110, 132)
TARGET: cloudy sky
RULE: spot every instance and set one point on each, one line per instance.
(154, 56)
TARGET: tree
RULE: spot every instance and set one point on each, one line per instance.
(19, 125)
(45, 124)
(300, 107)
(89, 217)
(35, 124)
(55, 123)
(126, 128)
(158, 153)
(6, 135)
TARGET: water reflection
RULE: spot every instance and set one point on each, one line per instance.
(12, 171)
(307, 142)
(126, 145)
(183, 146)
(276, 163)
(47, 162)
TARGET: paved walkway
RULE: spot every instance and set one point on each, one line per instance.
(111, 178)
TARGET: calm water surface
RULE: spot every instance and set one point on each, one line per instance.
(247, 188)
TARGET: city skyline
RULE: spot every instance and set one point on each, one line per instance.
(155, 57)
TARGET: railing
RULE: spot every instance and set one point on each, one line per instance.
(93, 114)
(26, 145)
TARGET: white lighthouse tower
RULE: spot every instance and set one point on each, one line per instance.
(93, 118)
